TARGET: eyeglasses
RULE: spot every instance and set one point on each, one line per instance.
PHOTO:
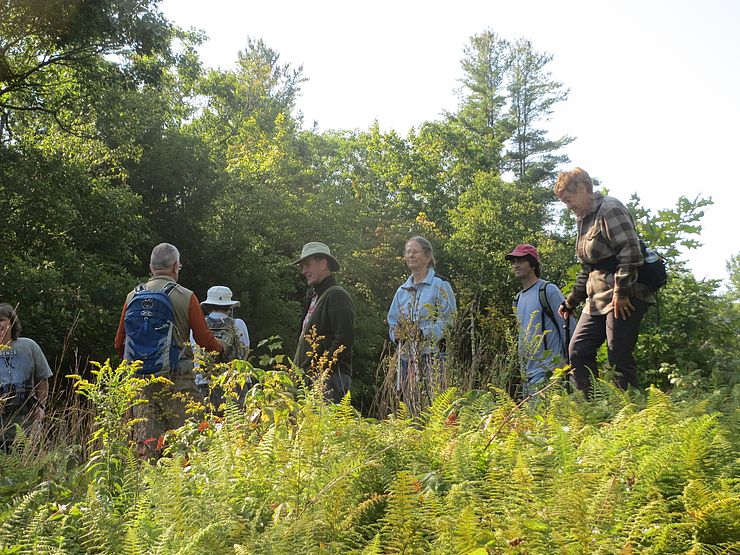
(179, 266)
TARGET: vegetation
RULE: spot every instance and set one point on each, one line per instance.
(114, 137)
(474, 473)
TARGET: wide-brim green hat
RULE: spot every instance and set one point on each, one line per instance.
(318, 249)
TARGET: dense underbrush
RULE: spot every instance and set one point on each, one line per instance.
(474, 473)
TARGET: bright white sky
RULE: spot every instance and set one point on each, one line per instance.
(654, 85)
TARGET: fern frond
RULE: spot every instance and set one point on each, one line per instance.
(402, 526)
(22, 512)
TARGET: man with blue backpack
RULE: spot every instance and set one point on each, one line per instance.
(154, 328)
(543, 333)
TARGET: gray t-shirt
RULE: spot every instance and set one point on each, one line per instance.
(23, 364)
(535, 361)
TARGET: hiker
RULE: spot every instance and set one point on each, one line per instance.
(543, 338)
(421, 311)
(24, 379)
(615, 302)
(231, 332)
(328, 314)
(155, 326)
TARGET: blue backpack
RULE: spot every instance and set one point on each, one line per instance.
(150, 330)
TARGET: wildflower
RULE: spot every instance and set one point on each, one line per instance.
(203, 426)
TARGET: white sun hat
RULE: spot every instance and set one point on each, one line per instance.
(220, 295)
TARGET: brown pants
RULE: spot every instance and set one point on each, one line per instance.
(163, 411)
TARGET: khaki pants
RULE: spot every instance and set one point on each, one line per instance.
(163, 411)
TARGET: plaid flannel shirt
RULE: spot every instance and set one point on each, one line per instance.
(607, 231)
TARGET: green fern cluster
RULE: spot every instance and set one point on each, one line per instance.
(286, 473)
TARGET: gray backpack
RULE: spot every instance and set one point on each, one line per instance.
(224, 329)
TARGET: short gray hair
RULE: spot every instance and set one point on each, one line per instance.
(164, 256)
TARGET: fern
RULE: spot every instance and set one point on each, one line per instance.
(402, 527)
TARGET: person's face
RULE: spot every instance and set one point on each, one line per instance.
(5, 329)
(579, 202)
(523, 270)
(415, 257)
(315, 269)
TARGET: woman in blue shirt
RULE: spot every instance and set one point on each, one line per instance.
(422, 308)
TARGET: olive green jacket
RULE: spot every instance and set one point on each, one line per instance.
(334, 321)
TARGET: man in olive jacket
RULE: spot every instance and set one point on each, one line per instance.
(330, 314)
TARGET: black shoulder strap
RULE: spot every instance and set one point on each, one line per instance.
(545, 303)
(547, 310)
(167, 289)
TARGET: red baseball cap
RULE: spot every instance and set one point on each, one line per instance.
(523, 250)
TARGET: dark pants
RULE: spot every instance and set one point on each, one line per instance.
(621, 337)
(8, 420)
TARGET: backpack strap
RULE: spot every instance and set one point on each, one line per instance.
(167, 289)
(547, 310)
(323, 295)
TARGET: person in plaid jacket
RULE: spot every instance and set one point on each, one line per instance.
(615, 302)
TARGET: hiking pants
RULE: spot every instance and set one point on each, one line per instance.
(163, 410)
(621, 337)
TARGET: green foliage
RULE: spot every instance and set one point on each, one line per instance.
(113, 138)
(670, 229)
(691, 338)
(51, 53)
(471, 474)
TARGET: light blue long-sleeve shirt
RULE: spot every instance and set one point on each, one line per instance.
(533, 338)
(430, 304)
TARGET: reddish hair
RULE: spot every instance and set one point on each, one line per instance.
(569, 181)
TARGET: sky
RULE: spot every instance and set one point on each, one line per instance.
(654, 85)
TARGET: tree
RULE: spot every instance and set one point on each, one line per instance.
(669, 230)
(532, 94)
(67, 238)
(485, 65)
(51, 50)
(733, 269)
(489, 220)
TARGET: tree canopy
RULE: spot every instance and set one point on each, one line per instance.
(114, 138)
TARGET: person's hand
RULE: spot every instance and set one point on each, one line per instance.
(565, 310)
(623, 308)
(39, 411)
